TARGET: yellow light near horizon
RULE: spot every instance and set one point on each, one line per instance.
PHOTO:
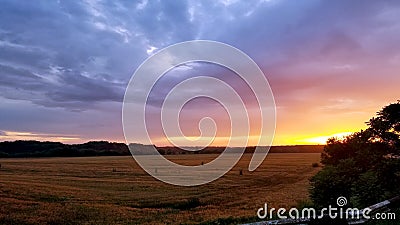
(211, 141)
(323, 139)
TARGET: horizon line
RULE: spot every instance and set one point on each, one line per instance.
(164, 146)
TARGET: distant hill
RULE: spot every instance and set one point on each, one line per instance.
(104, 148)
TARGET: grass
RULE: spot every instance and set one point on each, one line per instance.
(115, 190)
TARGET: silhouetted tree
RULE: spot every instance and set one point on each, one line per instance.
(365, 166)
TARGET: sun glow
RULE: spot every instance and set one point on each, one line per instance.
(323, 139)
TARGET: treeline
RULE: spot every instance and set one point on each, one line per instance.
(57, 149)
(218, 150)
(17, 149)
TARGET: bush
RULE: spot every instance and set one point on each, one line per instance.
(315, 165)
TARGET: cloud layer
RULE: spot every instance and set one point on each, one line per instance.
(64, 65)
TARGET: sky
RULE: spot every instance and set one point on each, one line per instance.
(65, 65)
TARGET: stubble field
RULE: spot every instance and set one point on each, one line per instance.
(115, 190)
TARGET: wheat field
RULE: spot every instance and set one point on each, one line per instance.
(115, 190)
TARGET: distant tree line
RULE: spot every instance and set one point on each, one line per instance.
(249, 149)
(57, 149)
(15, 149)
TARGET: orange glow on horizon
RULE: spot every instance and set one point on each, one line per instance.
(14, 135)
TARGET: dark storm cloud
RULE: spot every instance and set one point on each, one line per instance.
(45, 49)
(68, 89)
(19, 78)
(87, 49)
(78, 88)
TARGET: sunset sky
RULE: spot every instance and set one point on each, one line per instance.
(64, 65)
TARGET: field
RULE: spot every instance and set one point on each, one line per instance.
(115, 190)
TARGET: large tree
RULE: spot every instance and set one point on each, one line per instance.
(365, 166)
